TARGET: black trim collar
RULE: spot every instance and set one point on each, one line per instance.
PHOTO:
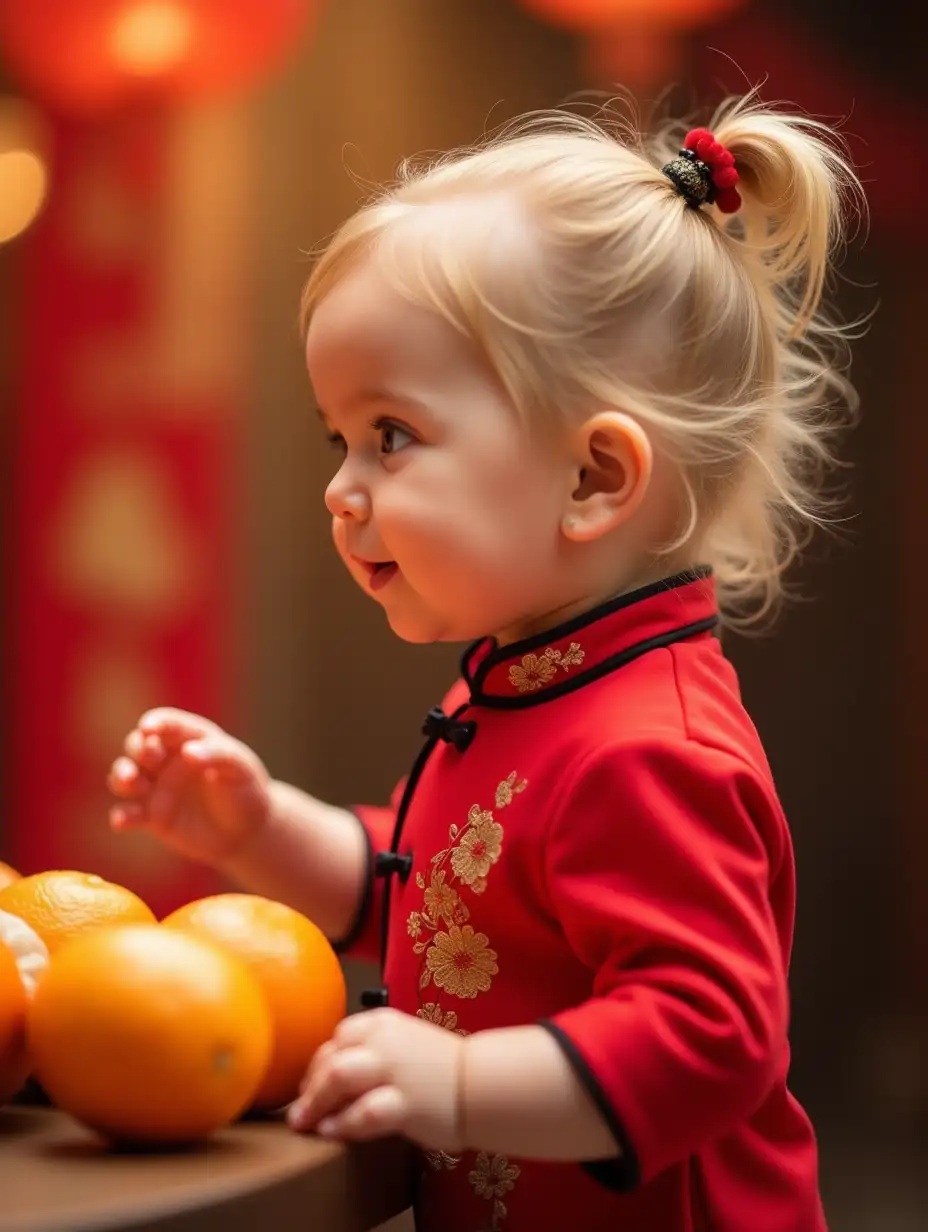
(586, 647)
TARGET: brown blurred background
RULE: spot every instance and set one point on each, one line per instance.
(165, 537)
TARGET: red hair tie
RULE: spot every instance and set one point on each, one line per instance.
(704, 173)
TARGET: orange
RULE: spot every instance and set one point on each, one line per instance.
(7, 874)
(59, 904)
(23, 959)
(297, 967)
(14, 1065)
(149, 1035)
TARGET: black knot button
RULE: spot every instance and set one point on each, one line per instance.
(393, 863)
(374, 998)
(440, 726)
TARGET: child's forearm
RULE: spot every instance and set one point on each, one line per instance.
(520, 1096)
(309, 855)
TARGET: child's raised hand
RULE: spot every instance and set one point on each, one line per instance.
(185, 780)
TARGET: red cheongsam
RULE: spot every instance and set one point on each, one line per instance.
(591, 840)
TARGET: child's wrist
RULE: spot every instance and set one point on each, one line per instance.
(247, 846)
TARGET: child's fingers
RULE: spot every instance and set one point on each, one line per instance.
(343, 1077)
(148, 752)
(221, 757)
(378, 1113)
(127, 816)
(169, 789)
(134, 743)
(125, 779)
(174, 727)
(320, 1058)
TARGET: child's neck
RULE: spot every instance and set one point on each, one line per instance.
(532, 626)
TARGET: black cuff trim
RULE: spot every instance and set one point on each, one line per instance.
(359, 923)
(621, 1174)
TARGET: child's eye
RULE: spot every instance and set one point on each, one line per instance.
(337, 442)
(392, 437)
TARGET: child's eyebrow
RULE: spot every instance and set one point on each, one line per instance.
(380, 394)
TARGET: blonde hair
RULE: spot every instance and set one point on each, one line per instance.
(708, 327)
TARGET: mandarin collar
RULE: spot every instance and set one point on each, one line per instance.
(547, 665)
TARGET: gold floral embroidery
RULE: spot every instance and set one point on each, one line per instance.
(491, 1177)
(432, 1012)
(458, 959)
(480, 846)
(507, 789)
(442, 903)
(461, 962)
(538, 670)
(471, 852)
(439, 1160)
(532, 674)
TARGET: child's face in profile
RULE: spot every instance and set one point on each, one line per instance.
(445, 508)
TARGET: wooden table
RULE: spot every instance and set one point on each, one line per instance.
(257, 1176)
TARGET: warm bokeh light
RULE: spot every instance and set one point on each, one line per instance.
(151, 38)
(635, 44)
(97, 55)
(23, 167)
(595, 14)
(23, 181)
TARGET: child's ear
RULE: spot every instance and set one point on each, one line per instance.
(615, 465)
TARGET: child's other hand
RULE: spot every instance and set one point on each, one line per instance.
(384, 1073)
(190, 784)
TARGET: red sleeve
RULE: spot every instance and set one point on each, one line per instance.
(363, 939)
(660, 865)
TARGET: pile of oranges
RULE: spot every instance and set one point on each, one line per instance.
(158, 1032)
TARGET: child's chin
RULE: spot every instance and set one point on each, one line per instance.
(414, 632)
(424, 630)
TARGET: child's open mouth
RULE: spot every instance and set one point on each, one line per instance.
(380, 572)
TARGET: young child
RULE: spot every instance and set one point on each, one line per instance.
(579, 388)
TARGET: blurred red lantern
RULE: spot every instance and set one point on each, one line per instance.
(632, 42)
(594, 14)
(91, 54)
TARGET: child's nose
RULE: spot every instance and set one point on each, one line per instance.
(346, 499)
